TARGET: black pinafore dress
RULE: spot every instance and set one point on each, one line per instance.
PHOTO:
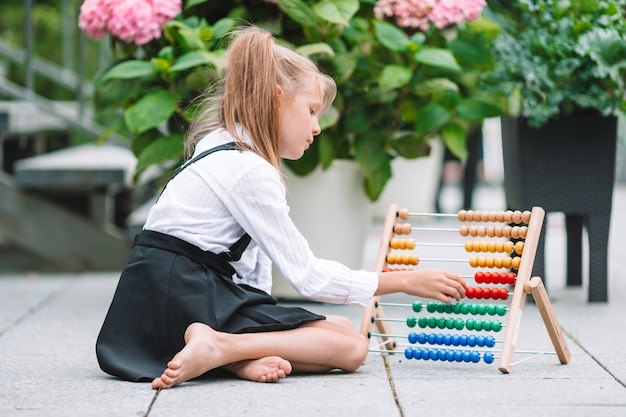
(166, 285)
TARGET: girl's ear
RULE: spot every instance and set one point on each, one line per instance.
(278, 91)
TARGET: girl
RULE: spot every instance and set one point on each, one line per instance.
(194, 295)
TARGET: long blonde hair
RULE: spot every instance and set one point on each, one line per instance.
(246, 95)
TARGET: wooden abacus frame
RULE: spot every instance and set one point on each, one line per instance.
(524, 285)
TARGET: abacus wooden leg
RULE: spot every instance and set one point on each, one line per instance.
(373, 310)
(538, 291)
(519, 294)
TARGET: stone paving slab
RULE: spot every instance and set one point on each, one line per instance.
(48, 327)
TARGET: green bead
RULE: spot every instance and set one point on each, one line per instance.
(487, 325)
(450, 323)
(431, 307)
(441, 323)
(501, 309)
(456, 308)
(411, 321)
(473, 308)
(469, 324)
(441, 307)
(432, 322)
(491, 309)
(422, 322)
(464, 308)
(496, 325)
(447, 308)
(417, 306)
(459, 324)
(478, 324)
(482, 309)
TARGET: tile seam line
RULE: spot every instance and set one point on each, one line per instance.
(596, 360)
(34, 309)
(392, 385)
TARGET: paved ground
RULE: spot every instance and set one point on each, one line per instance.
(48, 325)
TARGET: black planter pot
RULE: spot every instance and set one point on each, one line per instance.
(568, 166)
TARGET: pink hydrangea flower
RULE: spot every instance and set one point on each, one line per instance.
(132, 21)
(419, 14)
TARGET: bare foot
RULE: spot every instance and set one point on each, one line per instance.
(201, 354)
(268, 369)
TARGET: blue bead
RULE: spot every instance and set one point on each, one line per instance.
(432, 338)
(466, 356)
(413, 337)
(421, 338)
(450, 356)
(471, 340)
(425, 354)
(490, 341)
(480, 341)
(463, 340)
(441, 354)
(475, 357)
(488, 357)
(447, 339)
(458, 355)
(455, 340)
(440, 339)
(408, 353)
(434, 354)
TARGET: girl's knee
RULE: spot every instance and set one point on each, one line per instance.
(358, 353)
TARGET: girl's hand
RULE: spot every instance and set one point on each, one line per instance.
(429, 283)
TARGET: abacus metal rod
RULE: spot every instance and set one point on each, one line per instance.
(417, 213)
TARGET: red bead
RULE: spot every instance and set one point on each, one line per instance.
(502, 278)
(479, 277)
(511, 278)
(469, 292)
(495, 293)
(504, 293)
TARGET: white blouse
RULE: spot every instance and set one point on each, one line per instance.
(214, 200)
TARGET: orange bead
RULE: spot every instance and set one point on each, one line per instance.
(508, 216)
(523, 231)
(519, 247)
(473, 261)
(526, 216)
(508, 246)
(500, 216)
(517, 217)
(469, 246)
(497, 262)
(461, 215)
(403, 213)
(464, 230)
(515, 262)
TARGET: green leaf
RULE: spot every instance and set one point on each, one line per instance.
(223, 26)
(474, 109)
(337, 11)
(410, 146)
(198, 58)
(394, 76)
(391, 36)
(164, 149)
(190, 3)
(437, 57)
(374, 161)
(455, 139)
(431, 117)
(326, 151)
(152, 110)
(300, 12)
(435, 86)
(131, 69)
(315, 48)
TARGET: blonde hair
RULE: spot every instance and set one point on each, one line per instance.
(246, 95)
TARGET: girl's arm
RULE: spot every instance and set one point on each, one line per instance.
(428, 283)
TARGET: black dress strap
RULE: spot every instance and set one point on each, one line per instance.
(235, 251)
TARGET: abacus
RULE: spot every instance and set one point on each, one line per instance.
(513, 236)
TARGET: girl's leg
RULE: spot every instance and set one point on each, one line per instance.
(266, 357)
